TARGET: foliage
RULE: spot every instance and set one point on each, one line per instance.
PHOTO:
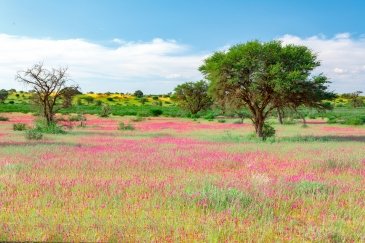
(138, 93)
(193, 96)
(265, 76)
(43, 126)
(33, 134)
(3, 118)
(123, 126)
(19, 126)
(156, 112)
(268, 131)
(105, 111)
(89, 99)
(67, 94)
(3, 95)
(221, 199)
(311, 187)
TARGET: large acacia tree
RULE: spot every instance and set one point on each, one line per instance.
(48, 87)
(264, 77)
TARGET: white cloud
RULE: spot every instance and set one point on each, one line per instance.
(155, 66)
(342, 59)
(339, 70)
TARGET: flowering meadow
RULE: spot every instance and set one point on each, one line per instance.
(182, 180)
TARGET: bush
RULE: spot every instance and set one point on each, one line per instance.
(78, 117)
(209, 117)
(11, 102)
(3, 118)
(98, 103)
(155, 97)
(110, 99)
(19, 127)
(221, 120)
(137, 119)
(52, 128)
(124, 127)
(105, 111)
(332, 120)
(354, 121)
(33, 134)
(156, 112)
(268, 131)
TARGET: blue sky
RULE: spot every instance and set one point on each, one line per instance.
(176, 35)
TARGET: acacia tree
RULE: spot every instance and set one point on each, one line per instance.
(47, 85)
(193, 96)
(264, 77)
(3, 95)
(67, 94)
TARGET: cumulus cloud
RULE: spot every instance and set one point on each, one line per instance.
(342, 59)
(155, 66)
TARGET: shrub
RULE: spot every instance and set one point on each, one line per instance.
(332, 120)
(143, 100)
(155, 97)
(33, 134)
(11, 102)
(3, 118)
(123, 126)
(110, 99)
(78, 117)
(268, 131)
(98, 103)
(156, 112)
(19, 127)
(137, 119)
(105, 111)
(52, 128)
(354, 121)
(209, 117)
(221, 120)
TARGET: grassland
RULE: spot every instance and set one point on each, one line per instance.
(174, 179)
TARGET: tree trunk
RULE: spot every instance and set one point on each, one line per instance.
(280, 116)
(259, 125)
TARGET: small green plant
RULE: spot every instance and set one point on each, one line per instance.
(128, 127)
(221, 120)
(19, 127)
(220, 199)
(33, 134)
(310, 188)
(110, 99)
(105, 111)
(3, 118)
(268, 131)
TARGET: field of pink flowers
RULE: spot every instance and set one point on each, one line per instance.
(182, 180)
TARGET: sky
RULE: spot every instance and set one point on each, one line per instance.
(125, 45)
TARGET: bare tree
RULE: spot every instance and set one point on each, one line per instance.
(47, 85)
